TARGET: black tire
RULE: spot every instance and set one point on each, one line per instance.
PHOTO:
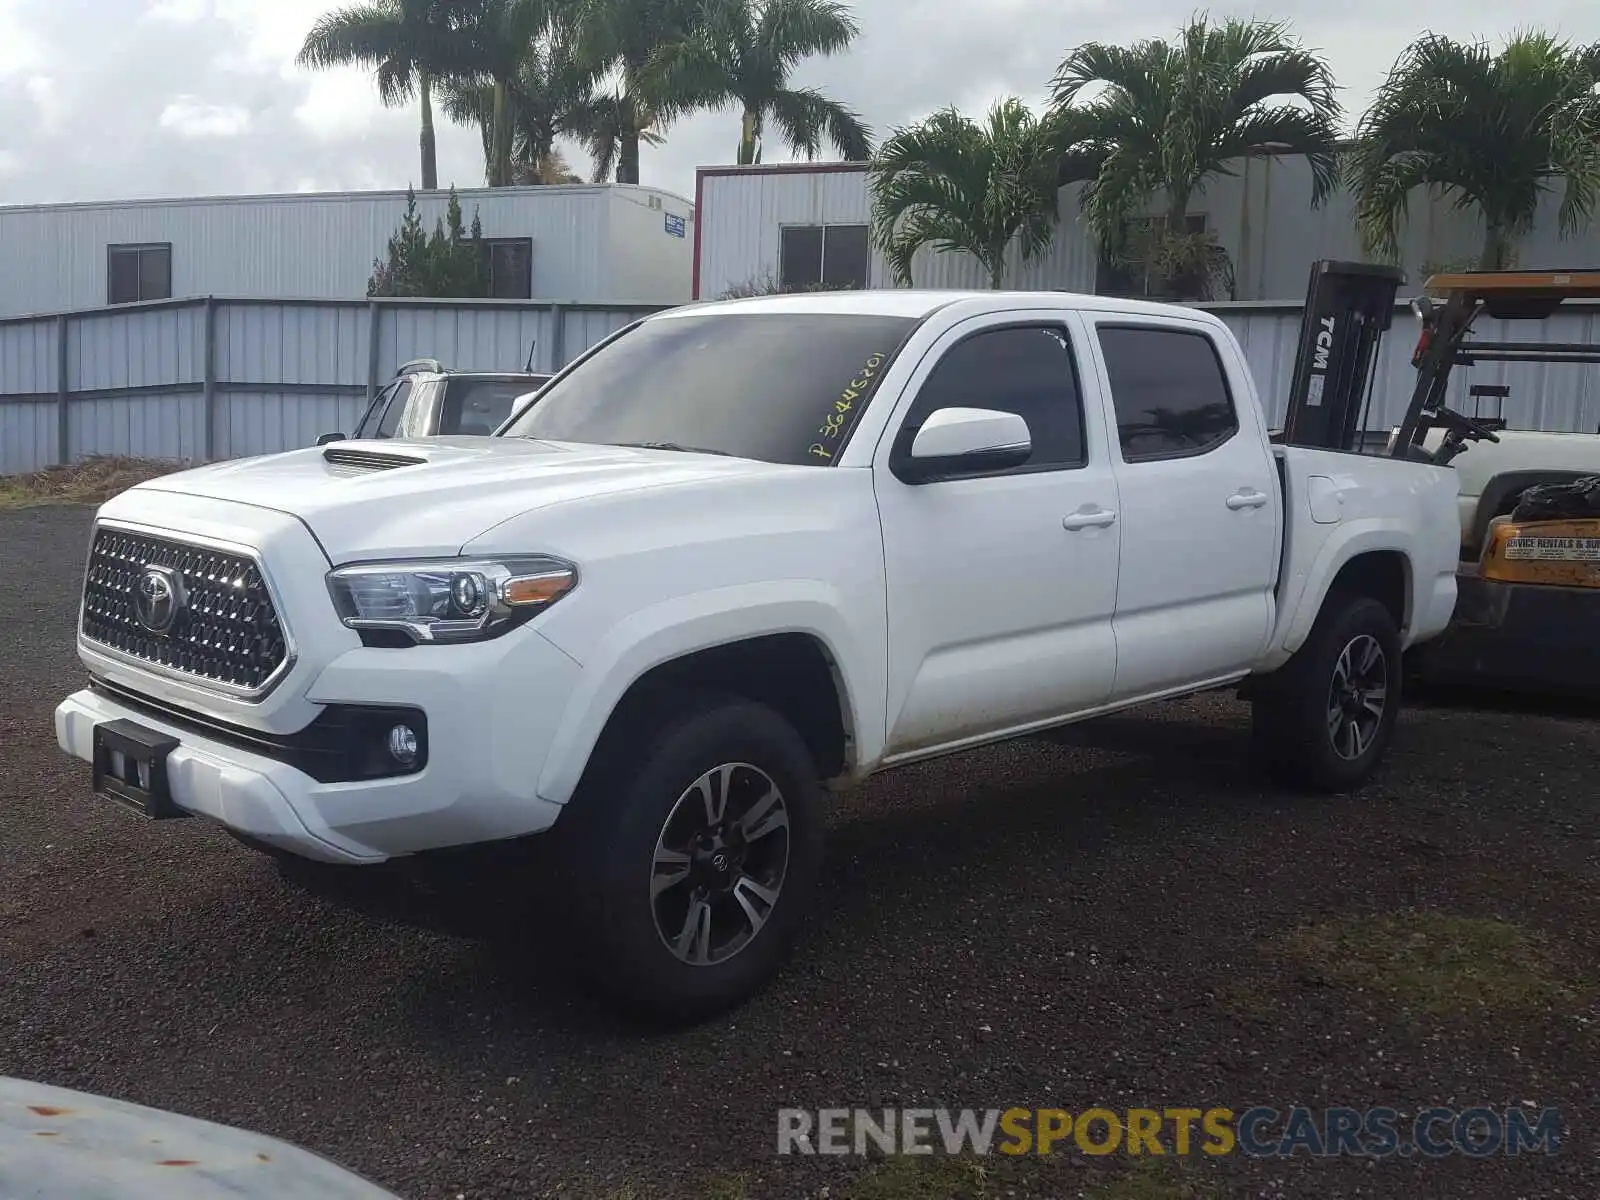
(1293, 724)
(632, 807)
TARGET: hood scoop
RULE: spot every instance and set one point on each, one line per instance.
(368, 460)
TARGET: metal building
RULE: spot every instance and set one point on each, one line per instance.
(580, 244)
(808, 223)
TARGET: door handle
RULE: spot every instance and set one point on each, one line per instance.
(1087, 518)
(1246, 498)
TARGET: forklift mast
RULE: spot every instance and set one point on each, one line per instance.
(1348, 307)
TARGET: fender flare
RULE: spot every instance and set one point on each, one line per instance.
(1355, 538)
(685, 625)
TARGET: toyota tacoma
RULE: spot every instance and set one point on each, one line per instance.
(736, 555)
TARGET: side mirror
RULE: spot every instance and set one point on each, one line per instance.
(960, 441)
(325, 438)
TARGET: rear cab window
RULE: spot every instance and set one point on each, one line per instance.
(480, 406)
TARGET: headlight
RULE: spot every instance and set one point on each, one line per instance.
(449, 600)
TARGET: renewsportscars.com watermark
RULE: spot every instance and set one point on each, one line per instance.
(1260, 1132)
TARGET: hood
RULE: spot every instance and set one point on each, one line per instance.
(430, 496)
(57, 1142)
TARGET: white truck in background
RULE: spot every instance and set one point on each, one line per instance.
(736, 553)
(1492, 476)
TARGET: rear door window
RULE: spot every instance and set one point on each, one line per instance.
(1169, 390)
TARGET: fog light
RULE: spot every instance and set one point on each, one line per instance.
(403, 745)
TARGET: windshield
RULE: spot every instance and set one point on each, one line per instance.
(481, 405)
(779, 387)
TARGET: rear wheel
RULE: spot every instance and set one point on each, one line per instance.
(693, 851)
(1325, 719)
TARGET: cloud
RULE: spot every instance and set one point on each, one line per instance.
(204, 97)
(181, 12)
(191, 118)
(19, 49)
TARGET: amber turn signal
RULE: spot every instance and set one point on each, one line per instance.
(536, 589)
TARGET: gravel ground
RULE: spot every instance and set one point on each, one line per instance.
(1065, 922)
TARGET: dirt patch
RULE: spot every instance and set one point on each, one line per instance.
(922, 1179)
(1439, 964)
(92, 480)
(1074, 921)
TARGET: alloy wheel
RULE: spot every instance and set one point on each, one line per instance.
(720, 863)
(1357, 696)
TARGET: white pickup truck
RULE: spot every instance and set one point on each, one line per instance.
(738, 553)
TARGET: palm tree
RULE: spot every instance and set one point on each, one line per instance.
(497, 40)
(1493, 130)
(622, 37)
(957, 185)
(1172, 115)
(742, 52)
(612, 124)
(543, 100)
(406, 41)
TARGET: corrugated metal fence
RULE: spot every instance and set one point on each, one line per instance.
(213, 378)
(219, 378)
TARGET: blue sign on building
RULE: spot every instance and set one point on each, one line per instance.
(674, 225)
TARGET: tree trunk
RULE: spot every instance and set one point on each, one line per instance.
(749, 133)
(628, 156)
(430, 160)
(1177, 214)
(1496, 249)
(499, 138)
(1177, 223)
(997, 267)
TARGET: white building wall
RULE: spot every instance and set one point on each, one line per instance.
(743, 210)
(53, 257)
(1261, 214)
(650, 260)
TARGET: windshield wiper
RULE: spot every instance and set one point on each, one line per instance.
(674, 446)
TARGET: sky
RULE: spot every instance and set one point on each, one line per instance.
(111, 99)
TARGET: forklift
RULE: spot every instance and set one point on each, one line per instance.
(1527, 612)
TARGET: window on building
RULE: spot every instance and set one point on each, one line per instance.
(1139, 276)
(138, 272)
(510, 268)
(829, 256)
(1024, 369)
(1169, 391)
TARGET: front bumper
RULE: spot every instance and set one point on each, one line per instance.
(1518, 635)
(489, 732)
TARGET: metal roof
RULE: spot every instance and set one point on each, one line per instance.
(464, 194)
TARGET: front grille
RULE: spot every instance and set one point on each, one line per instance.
(225, 628)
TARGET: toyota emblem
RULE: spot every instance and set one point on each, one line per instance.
(158, 598)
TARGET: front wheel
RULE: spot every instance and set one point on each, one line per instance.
(1325, 719)
(693, 854)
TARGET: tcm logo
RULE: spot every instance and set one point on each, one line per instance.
(1324, 344)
